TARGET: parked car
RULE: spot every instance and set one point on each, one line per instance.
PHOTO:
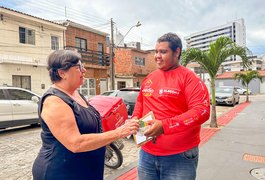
(243, 91)
(227, 95)
(18, 107)
(110, 93)
(128, 95)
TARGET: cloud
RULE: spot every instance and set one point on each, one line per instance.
(183, 17)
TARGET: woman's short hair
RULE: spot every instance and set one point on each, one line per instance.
(173, 40)
(61, 59)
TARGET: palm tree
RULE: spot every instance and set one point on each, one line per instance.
(211, 61)
(246, 77)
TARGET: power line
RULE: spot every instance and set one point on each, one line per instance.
(59, 10)
(72, 14)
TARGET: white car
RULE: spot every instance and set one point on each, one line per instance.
(242, 90)
(110, 93)
(18, 107)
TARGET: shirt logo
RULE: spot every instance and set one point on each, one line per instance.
(168, 92)
(147, 90)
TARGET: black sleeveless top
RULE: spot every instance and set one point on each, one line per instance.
(55, 161)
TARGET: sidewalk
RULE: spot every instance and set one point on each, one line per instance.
(229, 152)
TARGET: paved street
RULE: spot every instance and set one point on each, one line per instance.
(19, 147)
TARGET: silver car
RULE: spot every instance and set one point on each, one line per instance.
(227, 95)
(18, 107)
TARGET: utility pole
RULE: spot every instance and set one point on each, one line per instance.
(112, 69)
(112, 45)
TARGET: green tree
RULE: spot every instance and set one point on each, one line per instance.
(211, 61)
(246, 77)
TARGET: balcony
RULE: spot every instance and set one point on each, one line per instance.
(21, 59)
(92, 58)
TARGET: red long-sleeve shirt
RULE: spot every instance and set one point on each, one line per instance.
(181, 101)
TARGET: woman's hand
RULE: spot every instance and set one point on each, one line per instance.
(131, 126)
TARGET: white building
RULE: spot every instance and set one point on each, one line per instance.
(25, 43)
(119, 42)
(236, 30)
(119, 39)
(257, 63)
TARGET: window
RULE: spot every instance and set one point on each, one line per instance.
(80, 44)
(88, 89)
(26, 36)
(121, 84)
(21, 81)
(139, 61)
(100, 54)
(55, 42)
(17, 94)
(138, 84)
(2, 96)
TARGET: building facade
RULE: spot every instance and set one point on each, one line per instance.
(132, 66)
(92, 45)
(257, 63)
(235, 30)
(25, 43)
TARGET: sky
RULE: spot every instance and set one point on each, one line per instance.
(157, 17)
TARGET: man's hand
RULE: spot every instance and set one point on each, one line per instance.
(155, 129)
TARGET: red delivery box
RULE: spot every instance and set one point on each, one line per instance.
(112, 110)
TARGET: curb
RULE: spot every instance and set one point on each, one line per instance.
(124, 172)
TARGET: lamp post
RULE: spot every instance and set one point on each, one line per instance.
(112, 45)
(136, 25)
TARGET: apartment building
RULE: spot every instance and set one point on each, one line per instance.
(132, 65)
(235, 30)
(25, 43)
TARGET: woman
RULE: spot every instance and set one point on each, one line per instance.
(72, 138)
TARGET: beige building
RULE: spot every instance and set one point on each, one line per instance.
(257, 63)
(25, 43)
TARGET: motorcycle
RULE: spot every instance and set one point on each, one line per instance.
(113, 155)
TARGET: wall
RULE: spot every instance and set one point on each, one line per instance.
(262, 86)
(39, 75)
(125, 64)
(9, 38)
(254, 85)
(93, 71)
(26, 59)
(92, 38)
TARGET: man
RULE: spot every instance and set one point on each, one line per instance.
(180, 103)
